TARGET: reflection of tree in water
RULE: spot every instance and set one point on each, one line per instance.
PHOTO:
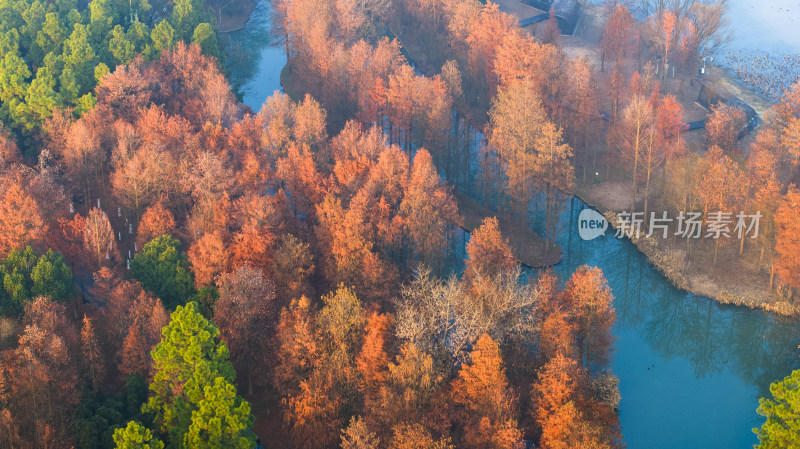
(673, 323)
(716, 337)
(688, 327)
(756, 347)
(766, 348)
(239, 46)
(632, 299)
(537, 214)
(456, 252)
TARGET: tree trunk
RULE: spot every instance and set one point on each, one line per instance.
(771, 276)
(633, 194)
(744, 231)
(585, 154)
(547, 222)
(647, 192)
(716, 249)
(499, 183)
(484, 180)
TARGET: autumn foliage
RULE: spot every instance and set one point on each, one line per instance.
(489, 254)
(786, 218)
(305, 250)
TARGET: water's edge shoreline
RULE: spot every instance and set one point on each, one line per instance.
(238, 21)
(655, 256)
(658, 258)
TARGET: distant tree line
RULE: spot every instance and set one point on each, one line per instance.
(55, 53)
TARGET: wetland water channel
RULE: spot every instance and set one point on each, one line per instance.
(691, 370)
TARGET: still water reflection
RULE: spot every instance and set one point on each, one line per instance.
(253, 59)
(691, 370)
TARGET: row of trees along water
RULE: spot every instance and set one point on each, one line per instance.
(548, 117)
(253, 256)
(168, 136)
(318, 244)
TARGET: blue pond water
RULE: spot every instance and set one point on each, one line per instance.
(691, 371)
(253, 59)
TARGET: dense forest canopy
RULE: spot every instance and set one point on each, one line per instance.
(55, 53)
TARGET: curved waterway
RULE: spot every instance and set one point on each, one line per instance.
(691, 370)
(253, 59)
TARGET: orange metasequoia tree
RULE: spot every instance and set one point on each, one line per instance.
(787, 219)
(20, 219)
(590, 303)
(156, 221)
(488, 252)
(485, 401)
(93, 363)
(724, 125)
(373, 360)
(428, 209)
(98, 237)
(209, 258)
(720, 189)
(555, 396)
(410, 392)
(617, 35)
(567, 418)
(245, 314)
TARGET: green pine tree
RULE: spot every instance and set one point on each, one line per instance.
(79, 55)
(52, 277)
(222, 419)
(136, 436)
(34, 17)
(101, 70)
(15, 273)
(101, 17)
(51, 35)
(14, 74)
(121, 48)
(205, 37)
(184, 18)
(24, 275)
(42, 98)
(70, 90)
(189, 357)
(163, 36)
(139, 35)
(163, 269)
(782, 428)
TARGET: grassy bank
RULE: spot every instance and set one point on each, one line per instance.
(231, 15)
(731, 281)
(528, 246)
